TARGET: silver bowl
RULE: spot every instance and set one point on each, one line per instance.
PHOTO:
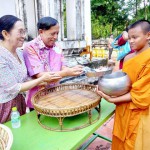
(99, 72)
(114, 84)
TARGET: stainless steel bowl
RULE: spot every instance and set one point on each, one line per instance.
(99, 72)
(114, 84)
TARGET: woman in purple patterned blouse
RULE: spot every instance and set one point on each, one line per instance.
(13, 73)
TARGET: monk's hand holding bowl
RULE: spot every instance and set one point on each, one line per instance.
(103, 95)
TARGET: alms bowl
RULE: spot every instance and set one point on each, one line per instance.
(114, 84)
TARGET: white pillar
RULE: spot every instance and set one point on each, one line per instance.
(61, 22)
(31, 18)
(82, 20)
(78, 20)
(71, 19)
(51, 8)
(87, 21)
(57, 16)
(21, 10)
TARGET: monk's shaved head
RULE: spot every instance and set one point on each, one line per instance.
(144, 24)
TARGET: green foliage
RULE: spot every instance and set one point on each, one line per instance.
(112, 16)
(143, 13)
(100, 30)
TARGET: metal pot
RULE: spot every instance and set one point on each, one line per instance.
(114, 84)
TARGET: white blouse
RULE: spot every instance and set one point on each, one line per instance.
(12, 74)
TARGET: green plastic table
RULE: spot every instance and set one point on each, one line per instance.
(31, 136)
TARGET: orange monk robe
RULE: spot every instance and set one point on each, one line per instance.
(132, 119)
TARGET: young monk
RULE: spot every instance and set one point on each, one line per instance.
(132, 117)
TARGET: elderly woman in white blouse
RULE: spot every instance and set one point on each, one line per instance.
(13, 73)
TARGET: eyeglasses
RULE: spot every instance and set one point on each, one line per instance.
(22, 32)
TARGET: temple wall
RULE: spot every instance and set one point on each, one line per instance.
(77, 19)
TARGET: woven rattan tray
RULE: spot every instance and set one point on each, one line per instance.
(66, 100)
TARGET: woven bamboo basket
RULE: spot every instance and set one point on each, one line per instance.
(66, 100)
(6, 138)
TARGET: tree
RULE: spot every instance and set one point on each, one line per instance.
(107, 16)
(113, 16)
